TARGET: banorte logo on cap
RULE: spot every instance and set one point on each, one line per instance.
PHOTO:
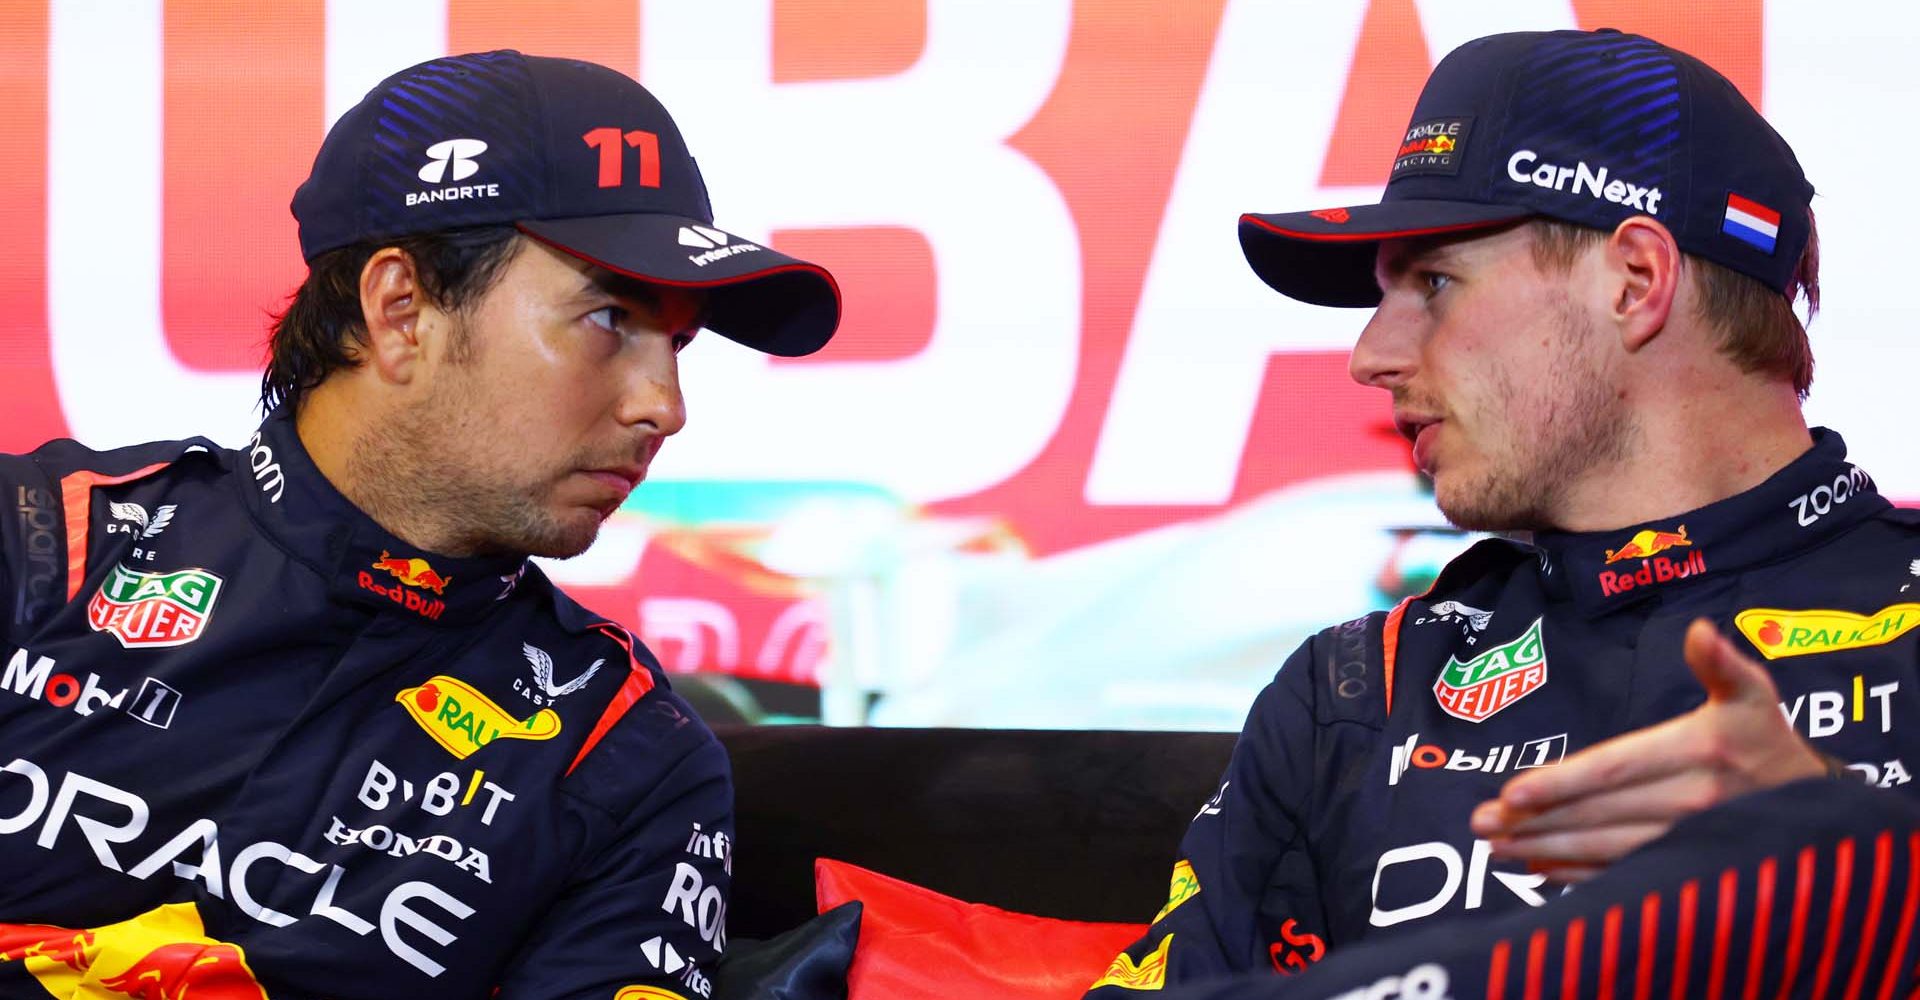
(456, 155)
(450, 161)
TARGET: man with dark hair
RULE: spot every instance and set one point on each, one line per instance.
(300, 719)
(1582, 272)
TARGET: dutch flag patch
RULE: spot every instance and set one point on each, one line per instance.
(1751, 223)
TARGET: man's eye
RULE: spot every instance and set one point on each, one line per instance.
(606, 318)
(1435, 281)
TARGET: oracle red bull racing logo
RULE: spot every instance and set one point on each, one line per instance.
(412, 572)
(144, 609)
(1647, 545)
(1476, 689)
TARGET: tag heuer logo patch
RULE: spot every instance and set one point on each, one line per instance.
(1479, 687)
(154, 609)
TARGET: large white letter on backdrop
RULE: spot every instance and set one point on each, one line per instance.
(1190, 380)
(925, 149)
(110, 350)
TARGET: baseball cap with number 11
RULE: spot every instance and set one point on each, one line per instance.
(578, 157)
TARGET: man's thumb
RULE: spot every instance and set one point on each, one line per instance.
(1723, 670)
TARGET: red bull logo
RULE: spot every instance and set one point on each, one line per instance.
(46, 944)
(414, 572)
(1646, 546)
(189, 971)
(1437, 145)
(1659, 569)
(1647, 543)
(172, 959)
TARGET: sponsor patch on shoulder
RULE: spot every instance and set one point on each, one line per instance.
(1432, 147)
(1778, 633)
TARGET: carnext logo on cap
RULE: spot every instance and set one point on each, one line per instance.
(1525, 168)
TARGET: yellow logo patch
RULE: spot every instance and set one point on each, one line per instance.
(1186, 885)
(646, 993)
(463, 720)
(1149, 974)
(1777, 633)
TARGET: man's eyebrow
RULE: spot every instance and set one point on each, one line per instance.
(619, 285)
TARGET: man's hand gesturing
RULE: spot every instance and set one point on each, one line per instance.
(1574, 819)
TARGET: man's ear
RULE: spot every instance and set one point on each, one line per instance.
(1642, 271)
(396, 312)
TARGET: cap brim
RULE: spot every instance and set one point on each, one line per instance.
(756, 295)
(1326, 257)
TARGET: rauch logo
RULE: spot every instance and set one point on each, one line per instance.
(1777, 633)
(463, 720)
(154, 609)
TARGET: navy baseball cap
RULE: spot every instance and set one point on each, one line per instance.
(1590, 128)
(577, 156)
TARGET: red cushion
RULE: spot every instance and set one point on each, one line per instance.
(915, 942)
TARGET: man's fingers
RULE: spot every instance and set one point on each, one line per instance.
(1565, 874)
(1658, 801)
(1631, 759)
(1726, 673)
(1595, 846)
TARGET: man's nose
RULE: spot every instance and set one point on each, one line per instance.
(652, 397)
(1383, 357)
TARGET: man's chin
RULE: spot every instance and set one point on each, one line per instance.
(1466, 505)
(567, 536)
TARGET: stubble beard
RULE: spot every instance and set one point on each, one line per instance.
(1556, 434)
(423, 474)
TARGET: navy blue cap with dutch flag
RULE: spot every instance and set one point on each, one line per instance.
(577, 156)
(1590, 128)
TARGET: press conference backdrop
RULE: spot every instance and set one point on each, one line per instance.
(1068, 462)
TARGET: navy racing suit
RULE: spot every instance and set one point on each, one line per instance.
(1343, 814)
(256, 745)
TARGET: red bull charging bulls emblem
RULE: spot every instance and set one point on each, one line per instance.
(162, 954)
(411, 572)
(1647, 545)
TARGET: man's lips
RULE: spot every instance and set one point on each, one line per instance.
(1422, 431)
(620, 479)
